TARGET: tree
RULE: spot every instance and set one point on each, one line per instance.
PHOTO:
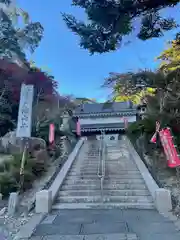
(11, 78)
(15, 40)
(170, 58)
(44, 84)
(130, 86)
(163, 102)
(110, 20)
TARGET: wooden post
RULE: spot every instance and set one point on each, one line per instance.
(23, 161)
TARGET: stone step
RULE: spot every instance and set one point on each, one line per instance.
(111, 236)
(122, 186)
(118, 169)
(118, 199)
(105, 192)
(97, 182)
(94, 176)
(109, 163)
(108, 171)
(103, 206)
(108, 175)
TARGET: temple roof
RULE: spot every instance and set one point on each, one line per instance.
(105, 109)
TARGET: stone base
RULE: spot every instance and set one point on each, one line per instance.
(163, 200)
(43, 201)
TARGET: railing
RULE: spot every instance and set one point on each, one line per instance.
(102, 163)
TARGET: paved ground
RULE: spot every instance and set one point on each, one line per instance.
(114, 224)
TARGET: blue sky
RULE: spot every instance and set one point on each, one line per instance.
(76, 71)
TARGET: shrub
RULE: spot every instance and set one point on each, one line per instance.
(7, 184)
(16, 162)
(39, 167)
(5, 166)
(28, 178)
(1, 168)
(10, 173)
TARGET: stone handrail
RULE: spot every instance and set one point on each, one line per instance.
(101, 165)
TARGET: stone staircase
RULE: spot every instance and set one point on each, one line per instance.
(123, 185)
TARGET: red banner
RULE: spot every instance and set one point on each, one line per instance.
(51, 133)
(170, 150)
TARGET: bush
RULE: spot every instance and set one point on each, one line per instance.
(28, 178)
(147, 125)
(10, 173)
(7, 184)
(5, 166)
(38, 168)
(32, 165)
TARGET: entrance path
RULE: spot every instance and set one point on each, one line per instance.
(109, 224)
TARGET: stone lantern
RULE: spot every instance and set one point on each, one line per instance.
(69, 138)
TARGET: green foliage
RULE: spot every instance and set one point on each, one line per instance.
(109, 21)
(170, 58)
(9, 44)
(7, 183)
(135, 127)
(6, 120)
(42, 129)
(145, 125)
(31, 35)
(32, 165)
(131, 86)
(28, 178)
(14, 41)
(10, 173)
(7, 2)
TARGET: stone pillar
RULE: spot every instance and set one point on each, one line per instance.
(13, 203)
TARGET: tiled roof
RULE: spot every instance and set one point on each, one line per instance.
(106, 108)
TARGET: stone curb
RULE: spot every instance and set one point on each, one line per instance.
(163, 205)
(27, 230)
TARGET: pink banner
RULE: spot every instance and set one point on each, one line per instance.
(78, 128)
(51, 133)
(125, 122)
(170, 150)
